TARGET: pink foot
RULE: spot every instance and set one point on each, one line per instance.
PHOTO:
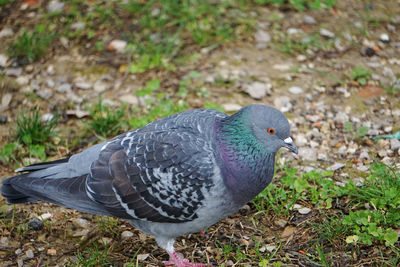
(174, 259)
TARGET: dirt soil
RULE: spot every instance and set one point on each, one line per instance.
(323, 99)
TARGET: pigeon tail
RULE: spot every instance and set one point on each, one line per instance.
(67, 192)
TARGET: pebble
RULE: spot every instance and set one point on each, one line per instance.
(394, 144)
(4, 242)
(262, 39)
(300, 140)
(129, 99)
(391, 27)
(36, 224)
(18, 251)
(335, 167)
(126, 235)
(50, 70)
(283, 103)
(231, 107)
(106, 240)
(258, 90)
(100, 86)
(63, 88)
(55, 6)
(47, 117)
(362, 168)
(50, 83)
(367, 51)
(384, 38)
(81, 223)
(309, 20)
(29, 254)
(35, 85)
(142, 257)
(364, 154)
(280, 222)
(45, 93)
(45, 216)
(307, 154)
(20, 262)
(296, 90)
(83, 232)
(6, 32)
(327, 33)
(14, 72)
(293, 31)
(117, 45)
(270, 248)
(83, 85)
(304, 210)
(301, 58)
(359, 181)
(341, 117)
(52, 252)
(77, 26)
(282, 67)
(3, 60)
(5, 101)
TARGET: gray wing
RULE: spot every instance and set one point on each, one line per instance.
(159, 173)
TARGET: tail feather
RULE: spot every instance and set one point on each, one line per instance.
(67, 192)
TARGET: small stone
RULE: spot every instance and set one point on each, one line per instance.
(280, 222)
(50, 70)
(77, 26)
(359, 182)
(300, 140)
(106, 240)
(282, 67)
(307, 154)
(126, 235)
(47, 117)
(301, 58)
(283, 103)
(14, 72)
(45, 216)
(362, 168)
(20, 262)
(6, 32)
(100, 86)
(335, 167)
(296, 90)
(293, 31)
(391, 27)
(270, 248)
(36, 224)
(394, 144)
(83, 85)
(80, 223)
(341, 117)
(230, 107)
(4, 242)
(35, 85)
(326, 33)
(55, 6)
(262, 38)
(83, 232)
(129, 99)
(45, 94)
(384, 38)
(3, 60)
(50, 83)
(52, 252)
(29, 254)
(64, 88)
(258, 90)
(5, 101)
(288, 231)
(304, 210)
(142, 257)
(117, 45)
(18, 251)
(364, 155)
(309, 20)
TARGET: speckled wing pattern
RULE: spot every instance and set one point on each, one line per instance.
(158, 173)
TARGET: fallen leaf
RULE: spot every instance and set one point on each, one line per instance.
(288, 231)
(370, 91)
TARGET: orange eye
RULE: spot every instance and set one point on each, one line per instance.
(271, 131)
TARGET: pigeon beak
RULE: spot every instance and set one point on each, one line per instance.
(290, 145)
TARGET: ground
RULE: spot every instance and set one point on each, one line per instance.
(333, 70)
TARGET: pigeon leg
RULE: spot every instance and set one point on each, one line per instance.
(174, 259)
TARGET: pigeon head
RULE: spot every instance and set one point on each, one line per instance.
(261, 127)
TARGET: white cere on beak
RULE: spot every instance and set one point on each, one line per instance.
(288, 140)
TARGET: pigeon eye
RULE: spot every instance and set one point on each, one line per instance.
(271, 131)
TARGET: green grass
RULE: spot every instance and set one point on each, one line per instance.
(105, 121)
(360, 75)
(300, 5)
(93, 256)
(31, 130)
(30, 47)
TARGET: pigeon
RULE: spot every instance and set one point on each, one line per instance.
(174, 176)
